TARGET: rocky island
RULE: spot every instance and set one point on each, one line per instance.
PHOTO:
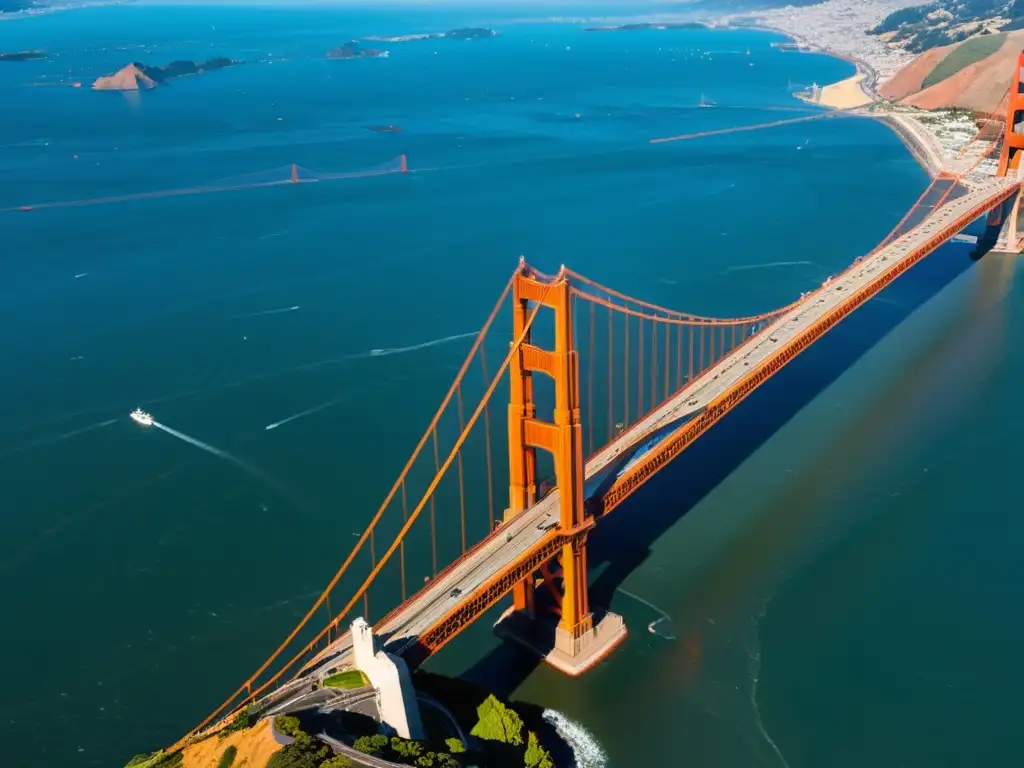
(137, 76)
(464, 33)
(354, 51)
(661, 25)
(21, 55)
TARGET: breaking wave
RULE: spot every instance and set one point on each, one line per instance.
(585, 748)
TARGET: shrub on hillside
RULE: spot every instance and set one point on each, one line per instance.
(228, 757)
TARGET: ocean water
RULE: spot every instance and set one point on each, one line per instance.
(828, 577)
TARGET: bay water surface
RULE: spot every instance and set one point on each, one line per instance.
(828, 578)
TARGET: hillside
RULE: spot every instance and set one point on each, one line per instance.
(970, 75)
(943, 22)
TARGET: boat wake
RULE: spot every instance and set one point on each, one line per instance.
(260, 475)
(309, 411)
(57, 438)
(662, 616)
(424, 345)
(585, 748)
(769, 265)
(280, 311)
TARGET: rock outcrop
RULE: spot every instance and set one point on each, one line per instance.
(131, 78)
(140, 76)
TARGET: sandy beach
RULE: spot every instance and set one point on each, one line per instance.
(846, 94)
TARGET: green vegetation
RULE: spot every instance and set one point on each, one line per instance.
(158, 759)
(287, 725)
(536, 756)
(507, 735)
(338, 761)
(930, 25)
(498, 723)
(228, 757)
(243, 720)
(964, 55)
(350, 680)
(399, 750)
(306, 752)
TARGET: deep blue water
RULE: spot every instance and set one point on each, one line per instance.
(818, 558)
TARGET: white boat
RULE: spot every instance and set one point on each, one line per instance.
(141, 417)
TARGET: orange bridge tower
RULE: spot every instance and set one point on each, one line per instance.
(1002, 220)
(566, 633)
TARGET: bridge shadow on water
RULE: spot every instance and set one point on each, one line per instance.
(622, 541)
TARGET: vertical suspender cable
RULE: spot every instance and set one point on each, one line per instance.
(433, 513)
(654, 362)
(611, 377)
(462, 487)
(590, 382)
(640, 373)
(625, 373)
(487, 445)
(401, 546)
(689, 370)
(668, 356)
(330, 619)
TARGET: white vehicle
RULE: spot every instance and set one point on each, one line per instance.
(139, 416)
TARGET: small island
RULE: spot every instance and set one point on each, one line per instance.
(353, 50)
(21, 55)
(463, 33)
(137, 76)
(661, 25)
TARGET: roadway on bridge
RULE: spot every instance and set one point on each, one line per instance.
(519, 537)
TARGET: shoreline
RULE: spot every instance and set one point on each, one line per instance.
(920, 149)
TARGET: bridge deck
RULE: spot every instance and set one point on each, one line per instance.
(513, 540)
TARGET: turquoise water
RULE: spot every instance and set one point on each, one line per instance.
(840, 588)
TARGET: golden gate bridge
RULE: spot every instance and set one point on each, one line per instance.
(604, 390)
(274, 177)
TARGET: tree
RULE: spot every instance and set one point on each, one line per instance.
(228, 757)
(291, 757)
(405, 748)
(536, 756)
(498, 723)
(338, 761)
(365, 745)
(456, 746)
(287, 725)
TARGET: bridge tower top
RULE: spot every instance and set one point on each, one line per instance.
(1013, 138)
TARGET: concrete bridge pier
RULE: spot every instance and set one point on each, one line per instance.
(567, 634)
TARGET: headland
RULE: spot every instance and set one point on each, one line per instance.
(838, 28)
